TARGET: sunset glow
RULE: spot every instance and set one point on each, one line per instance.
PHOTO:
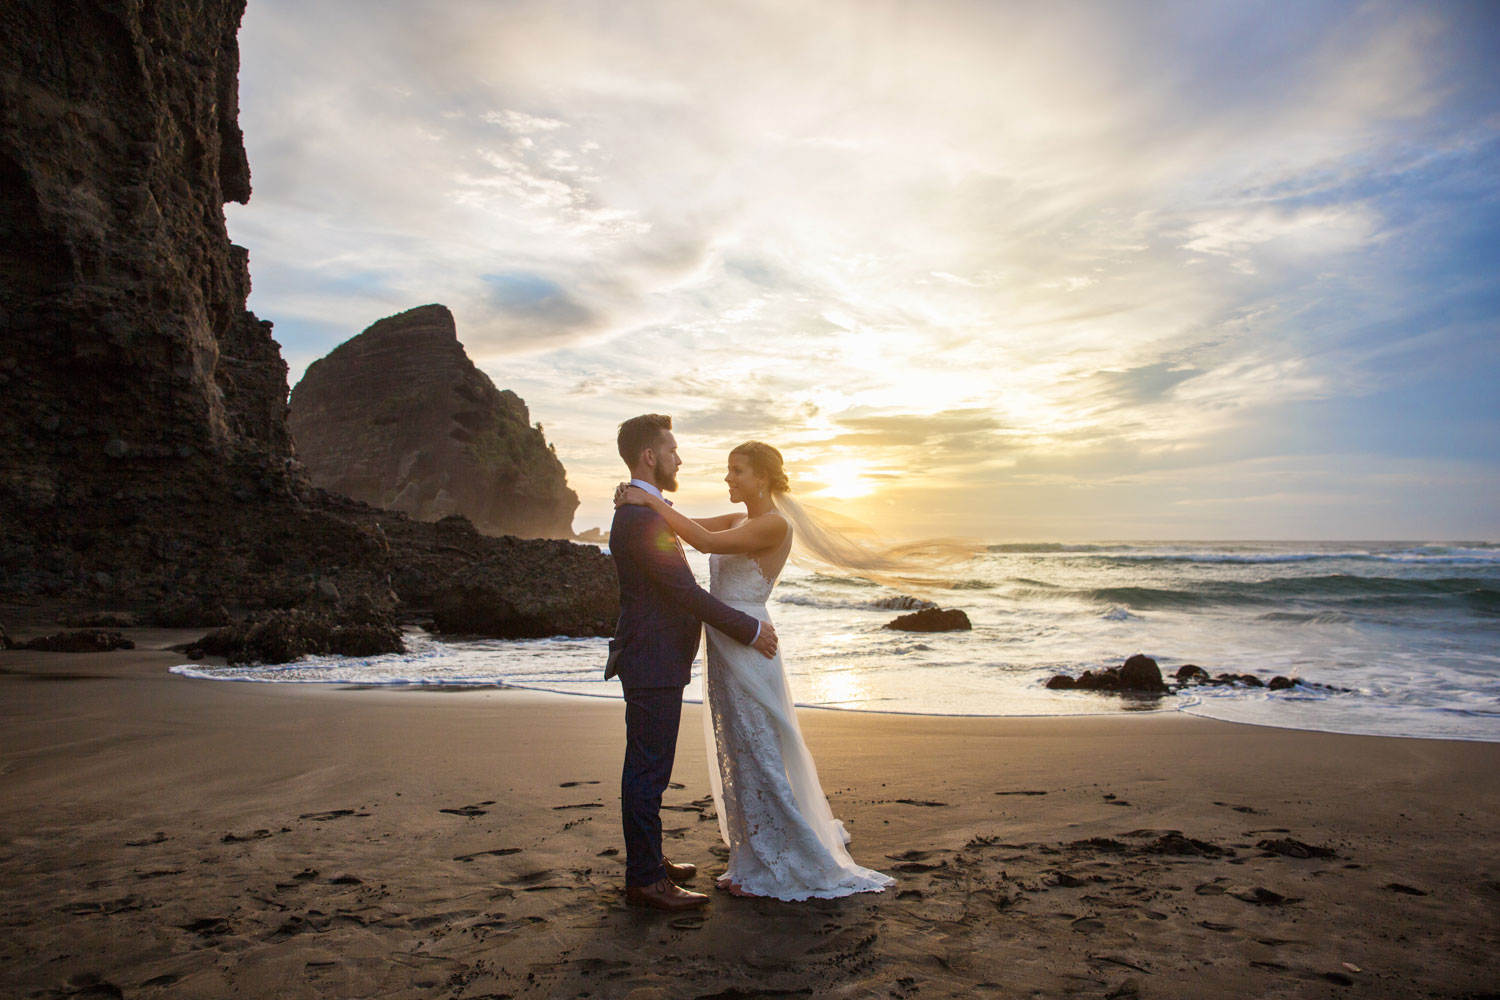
(1085, 270)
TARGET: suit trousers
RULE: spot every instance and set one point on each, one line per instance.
(652, 716)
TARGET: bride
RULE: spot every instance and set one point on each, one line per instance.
(783, 840)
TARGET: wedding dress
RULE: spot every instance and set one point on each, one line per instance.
(783, 840)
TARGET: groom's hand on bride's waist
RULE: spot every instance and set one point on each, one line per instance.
(765, 643)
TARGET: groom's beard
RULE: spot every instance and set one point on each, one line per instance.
(665, 483)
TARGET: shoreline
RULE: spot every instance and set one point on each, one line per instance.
(179, 839)
(1141, 713)
(157, 639)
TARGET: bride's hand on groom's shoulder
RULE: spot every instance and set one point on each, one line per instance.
(626, 495)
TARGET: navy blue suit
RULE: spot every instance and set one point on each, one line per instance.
(662, 611)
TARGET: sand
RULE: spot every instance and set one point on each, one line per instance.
(167, 837)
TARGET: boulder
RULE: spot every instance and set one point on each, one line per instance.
(82, 641)
(1140, 673)
(189, 612)
(400, 418)
(932, 620)
(287, 635)
(1279, 683)
(1191, 673)
(533, 588)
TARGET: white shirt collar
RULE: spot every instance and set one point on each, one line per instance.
(648, 487)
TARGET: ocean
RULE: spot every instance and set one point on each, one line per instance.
(1411, 630)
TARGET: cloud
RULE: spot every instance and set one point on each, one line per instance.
(977, 239)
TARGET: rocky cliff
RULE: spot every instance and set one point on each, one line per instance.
(400, 418)
(145, 459)
(129, 366)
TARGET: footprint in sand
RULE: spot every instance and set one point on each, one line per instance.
(470, 811)
(208, 927)
(1409, 890)
(331, 814)
(107, 907)
(1026, 791)
(575, 784)
(230, 838)
(498, 852)
(1241, 809)
(158, 838)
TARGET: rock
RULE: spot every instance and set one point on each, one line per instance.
(284, 636)
(84, 641)
(186, 612)
(1191, 673)
(1140, 673)
(327, 591)
(1280, 683)
(400, 418)
(126, 334)
(932, 620)
(534, 588)
(103, 580)
(101, 619)
(4, 638)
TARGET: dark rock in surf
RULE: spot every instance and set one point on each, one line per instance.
(1279, 683)
(1137, 675)
(1191, 673)
(1140, 673)
(284, 636)
(932, 620)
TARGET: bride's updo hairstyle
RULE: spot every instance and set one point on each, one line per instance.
(765, 461)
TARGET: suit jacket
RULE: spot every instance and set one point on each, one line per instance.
(662, 608)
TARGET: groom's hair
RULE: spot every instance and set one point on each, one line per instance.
(639, 433)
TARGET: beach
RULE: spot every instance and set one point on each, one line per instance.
(162, 836)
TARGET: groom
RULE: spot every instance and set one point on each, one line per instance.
(662, 611)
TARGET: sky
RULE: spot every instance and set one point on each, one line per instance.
(1015, 271)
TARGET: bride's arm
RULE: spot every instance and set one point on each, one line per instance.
(751, 536)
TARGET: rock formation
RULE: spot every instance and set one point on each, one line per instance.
(145, 460)
(1140, 675)
(400, 418)
(932, 619)
(129, 367)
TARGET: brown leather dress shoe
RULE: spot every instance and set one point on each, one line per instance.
(664, 895)
(680, 873)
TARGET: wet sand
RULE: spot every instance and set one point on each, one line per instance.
(166, 837)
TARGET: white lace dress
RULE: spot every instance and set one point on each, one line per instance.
(783, 840)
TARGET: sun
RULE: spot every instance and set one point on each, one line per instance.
(845, 480)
